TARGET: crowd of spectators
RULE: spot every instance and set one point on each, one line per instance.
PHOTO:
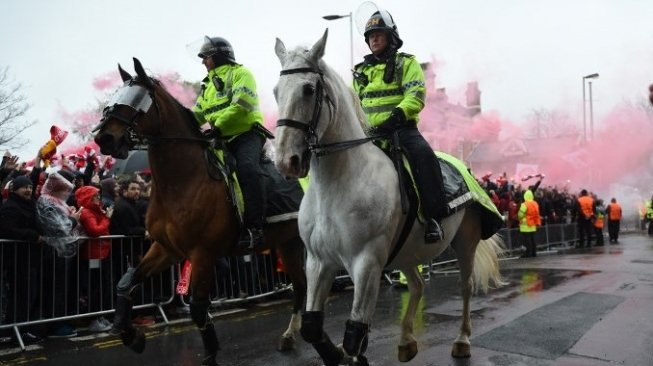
(557, 205)
(52, 218)
(49, 218)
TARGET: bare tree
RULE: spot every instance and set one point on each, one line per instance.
(545, 123)
(13, 106)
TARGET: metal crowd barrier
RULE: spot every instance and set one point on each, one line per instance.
(37, 286)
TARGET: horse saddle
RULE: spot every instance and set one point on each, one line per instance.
(283, 196)
(460, 187)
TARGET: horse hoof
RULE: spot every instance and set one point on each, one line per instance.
(134, 339)
(407, 351)
(286, 344)
(461, 350)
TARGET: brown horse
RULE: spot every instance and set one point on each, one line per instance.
(190, 215)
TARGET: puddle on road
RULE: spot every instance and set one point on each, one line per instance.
(527, 281)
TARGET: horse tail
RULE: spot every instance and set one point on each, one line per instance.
(486, 273)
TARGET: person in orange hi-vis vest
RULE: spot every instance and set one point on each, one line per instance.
(584, 218)
(614, 214)
(599, 222)
(529, 220)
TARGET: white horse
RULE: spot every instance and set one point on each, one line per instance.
(351, 215)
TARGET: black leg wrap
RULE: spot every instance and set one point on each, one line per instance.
(312, 326)
(210, 339)
(122, 317)
(330, 354)
(312, 332)
(355, 340)
(199, 313)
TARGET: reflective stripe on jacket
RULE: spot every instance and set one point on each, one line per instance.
(228, 100)
(614, 212)
(406, 91)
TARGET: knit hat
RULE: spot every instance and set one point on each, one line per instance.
(20, 182)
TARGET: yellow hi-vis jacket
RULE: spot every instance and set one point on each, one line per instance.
(529, 214)
(228, 100)
(407, 89)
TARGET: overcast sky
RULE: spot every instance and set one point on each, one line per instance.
(525, 54)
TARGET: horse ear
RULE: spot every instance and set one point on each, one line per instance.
(140, 71)
(280, 50)
(142, 75)
(124, 74)
(317, 51)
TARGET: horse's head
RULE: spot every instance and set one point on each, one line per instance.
(300, 93)
(129, 115)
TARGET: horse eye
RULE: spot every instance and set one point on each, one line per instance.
(309, 89)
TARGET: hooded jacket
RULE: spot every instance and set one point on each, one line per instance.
(53, 214)
(529, 214)
(95, 223)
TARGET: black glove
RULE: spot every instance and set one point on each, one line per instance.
(397, 118)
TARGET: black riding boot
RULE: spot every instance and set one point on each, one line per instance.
(428, 178)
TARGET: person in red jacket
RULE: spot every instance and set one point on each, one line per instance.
(95, 276)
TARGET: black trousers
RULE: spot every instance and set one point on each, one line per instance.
(426, 170)
(613, 229)
(246, 149)
(598, 232)
(528, 240)
(584, 232)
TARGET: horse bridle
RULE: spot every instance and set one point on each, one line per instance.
(139, 99)
(309, 128)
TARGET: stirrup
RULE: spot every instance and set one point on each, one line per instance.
(434, 232)
(251, 238)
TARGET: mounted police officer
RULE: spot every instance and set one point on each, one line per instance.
(228, 101)
(391, 88)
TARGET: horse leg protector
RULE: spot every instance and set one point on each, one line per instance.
(200, 316)
(122, 317)
(124, 303)
(355, 341)
(199, 313)
(210, 339)
(312, 331)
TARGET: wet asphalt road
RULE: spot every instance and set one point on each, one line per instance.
(577, 308)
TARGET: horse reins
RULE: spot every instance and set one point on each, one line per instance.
(309, 128)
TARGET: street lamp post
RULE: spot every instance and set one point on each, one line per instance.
(590, 76)
(591, 111)
(351, 34)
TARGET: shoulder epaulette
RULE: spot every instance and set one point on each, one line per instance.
(406, 55)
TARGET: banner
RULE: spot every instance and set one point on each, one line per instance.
(524, 170)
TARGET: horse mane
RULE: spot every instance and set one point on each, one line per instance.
(348, 94)
(337, 85)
